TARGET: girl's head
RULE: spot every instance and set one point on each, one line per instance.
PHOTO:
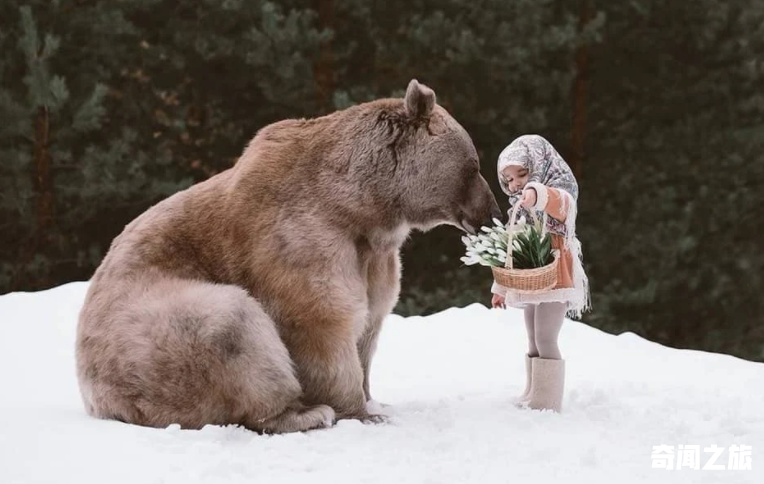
(515, 167)
(515, 177)
(531, 158)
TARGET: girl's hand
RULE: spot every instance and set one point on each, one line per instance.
(497, 301)
(529, 197)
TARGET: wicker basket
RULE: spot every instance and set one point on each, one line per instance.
(535, 280)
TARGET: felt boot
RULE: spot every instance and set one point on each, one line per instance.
(548, 384)
(523, 398)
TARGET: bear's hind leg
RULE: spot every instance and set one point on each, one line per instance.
(331, 374)
(296, 418)
(191, 353)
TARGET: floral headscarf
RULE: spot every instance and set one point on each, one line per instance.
(544, 165)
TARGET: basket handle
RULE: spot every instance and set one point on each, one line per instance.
(512, 222)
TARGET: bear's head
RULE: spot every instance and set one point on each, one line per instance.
(443, 183)
(388, 164)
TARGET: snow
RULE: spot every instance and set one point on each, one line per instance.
(450, 378)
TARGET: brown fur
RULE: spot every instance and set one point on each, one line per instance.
(256, 297)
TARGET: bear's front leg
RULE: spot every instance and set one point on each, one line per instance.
(367, 346)
(383, 280)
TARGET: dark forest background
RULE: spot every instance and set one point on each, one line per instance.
(106, 107)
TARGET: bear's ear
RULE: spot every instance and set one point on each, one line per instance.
(420, 100)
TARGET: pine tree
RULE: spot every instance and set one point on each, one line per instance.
(39, 126)
(64, 169)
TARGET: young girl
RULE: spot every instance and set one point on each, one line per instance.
(534, 175)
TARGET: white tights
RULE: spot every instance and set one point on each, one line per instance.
(543, 323)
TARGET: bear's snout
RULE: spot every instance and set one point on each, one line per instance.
(481, 207)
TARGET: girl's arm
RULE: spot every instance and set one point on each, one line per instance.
(552, 201)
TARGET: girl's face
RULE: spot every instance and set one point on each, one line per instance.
(516, 177)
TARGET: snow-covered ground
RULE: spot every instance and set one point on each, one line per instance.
(450, 378)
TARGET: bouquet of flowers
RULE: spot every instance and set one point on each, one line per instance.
(520, 256)
(530, 249)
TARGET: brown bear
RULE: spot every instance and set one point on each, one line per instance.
(256, 297)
